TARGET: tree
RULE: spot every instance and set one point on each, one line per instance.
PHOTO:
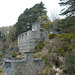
(66, 23)
(28, 17)
(43, 18)
(70, 10)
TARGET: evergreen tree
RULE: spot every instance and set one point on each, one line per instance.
(28, 17)
(70, 7)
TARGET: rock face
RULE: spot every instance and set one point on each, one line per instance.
(27, 40)
(26, 66)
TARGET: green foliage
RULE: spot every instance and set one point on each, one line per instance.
(47, 25)
(66, 40)
(70, 10)
(35, 56)
(60, 51)
(69, 60)
(52, 35)
(2, 55)
(47, 60)
(43, 19)
(68, 46)
(39, 46)
(1, 71)
(72, 35)
(18, 53)
(65, 23)
(14, 54)
(70, 64)
(38, 55)
(66, 37)
(28, 17)
(4, 39)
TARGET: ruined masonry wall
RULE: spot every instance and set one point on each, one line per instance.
(27, 40)
(27, 66)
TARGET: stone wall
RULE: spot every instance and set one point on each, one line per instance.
(27, 40)
(26, 66)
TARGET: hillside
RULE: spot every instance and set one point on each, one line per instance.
(58, 54)
(57, 48)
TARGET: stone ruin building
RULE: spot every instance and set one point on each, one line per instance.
(27, 40)
(27, 65)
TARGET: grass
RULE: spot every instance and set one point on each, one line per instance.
(1, 71)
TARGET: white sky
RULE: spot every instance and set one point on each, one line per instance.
(11, 9)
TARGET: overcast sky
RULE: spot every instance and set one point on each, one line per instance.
(11, 9)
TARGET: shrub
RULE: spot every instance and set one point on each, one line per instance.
(2, 55)
(72, 35)
(70, 64)
(19, 53)
(60, 51)
(39, 46)
(46, 26)
(1, 71)
(65, 44)
(69, 47)
(52, 35)
(14, 54)
(66, 36)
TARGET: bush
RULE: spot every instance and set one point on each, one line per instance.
(52, 35)
(66, 36)
(60, 51)
(70, 64)
(66, 45)
(72, 35)
(19, 53)
(46, 26)
(65, 23)
(14, 54)
(39, 46)
(1, 71)
(2, 55)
